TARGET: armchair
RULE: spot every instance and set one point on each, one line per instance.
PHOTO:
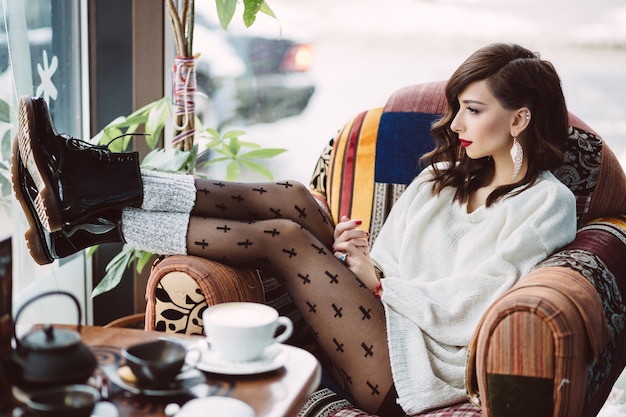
(552, 346)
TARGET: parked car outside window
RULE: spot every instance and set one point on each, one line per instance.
(250, 75)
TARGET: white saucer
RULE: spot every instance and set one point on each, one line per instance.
(218, 406)
(273, 358)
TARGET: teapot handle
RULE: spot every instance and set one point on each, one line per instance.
(37, 297)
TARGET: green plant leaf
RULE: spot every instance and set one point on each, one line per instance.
(233, 146)
(168, 160)
(211, 133)
(213, 144)
(118, 121)
(233, 134)
(118, 142)
(250, 9)
(258, 168)
(7, 143)
(5, 112)
(146, 108)
(193, 158)
(263, 153)
(6, 187)
(157, 117)
(132, 119)
(265, 8)
(232, 171)
(223, 150)
(144, 258)
(225, 11)
(107, 135)
(126, 121)
(114, 271)
(245, 144)
(214, 161)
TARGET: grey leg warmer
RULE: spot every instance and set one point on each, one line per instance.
(168, 192)
(158, 232)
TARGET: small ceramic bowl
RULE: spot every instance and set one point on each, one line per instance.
(157, 361)
(65, 400)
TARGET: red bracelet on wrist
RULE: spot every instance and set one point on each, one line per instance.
(377, 289)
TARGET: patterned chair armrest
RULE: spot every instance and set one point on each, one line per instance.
(181, 287)
(553, 344)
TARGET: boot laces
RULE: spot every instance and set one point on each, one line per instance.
(83, 145)
(102, 150)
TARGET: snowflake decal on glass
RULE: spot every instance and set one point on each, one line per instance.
(47, 88)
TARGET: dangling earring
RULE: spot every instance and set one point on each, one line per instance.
(517, 154)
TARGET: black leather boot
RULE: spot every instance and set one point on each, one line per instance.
(44, 246)
(74, 179)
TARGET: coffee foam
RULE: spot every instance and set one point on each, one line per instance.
(240, 315)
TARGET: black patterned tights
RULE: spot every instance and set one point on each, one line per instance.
(279, 228)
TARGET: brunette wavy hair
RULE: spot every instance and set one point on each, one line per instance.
(517, 78)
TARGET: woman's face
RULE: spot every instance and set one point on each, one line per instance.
(483, 125)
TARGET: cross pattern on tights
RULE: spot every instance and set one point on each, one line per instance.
(271, 227)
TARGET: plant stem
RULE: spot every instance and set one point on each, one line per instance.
(190, 24)
(178, 31)
(183, 33)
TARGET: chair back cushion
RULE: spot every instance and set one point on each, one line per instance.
(373, 158)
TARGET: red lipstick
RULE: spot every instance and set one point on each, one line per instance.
(465, 143)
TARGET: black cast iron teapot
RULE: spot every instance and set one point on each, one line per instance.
(50, 356)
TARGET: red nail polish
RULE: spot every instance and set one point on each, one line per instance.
(359, 222)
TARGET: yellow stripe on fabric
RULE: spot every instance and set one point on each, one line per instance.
(615, 221)
(352, 166)
(365, 168)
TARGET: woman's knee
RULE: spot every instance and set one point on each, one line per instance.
(300, 193)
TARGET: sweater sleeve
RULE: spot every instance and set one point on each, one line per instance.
(536, 223)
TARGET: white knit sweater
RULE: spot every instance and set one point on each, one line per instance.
(444, 267)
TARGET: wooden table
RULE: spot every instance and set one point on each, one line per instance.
(275, 394)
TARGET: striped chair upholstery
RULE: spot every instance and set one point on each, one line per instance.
(553, 345)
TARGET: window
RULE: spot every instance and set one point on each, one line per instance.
(40, 55)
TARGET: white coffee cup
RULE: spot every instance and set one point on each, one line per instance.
(241, 331)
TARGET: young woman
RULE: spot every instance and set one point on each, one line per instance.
(395, 323)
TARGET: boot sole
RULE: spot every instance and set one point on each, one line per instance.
(35, 235)
(46, 203)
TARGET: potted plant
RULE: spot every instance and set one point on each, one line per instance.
(183, 156)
